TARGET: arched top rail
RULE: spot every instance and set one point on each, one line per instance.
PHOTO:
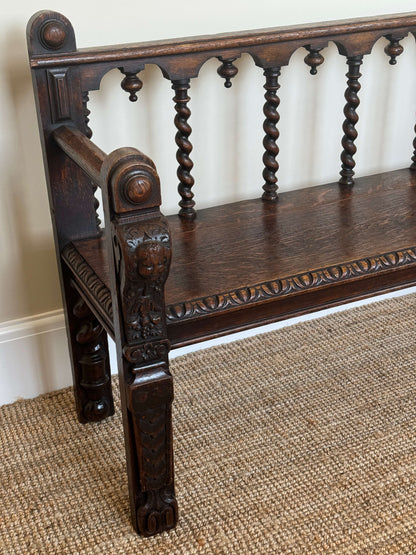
(247, 41)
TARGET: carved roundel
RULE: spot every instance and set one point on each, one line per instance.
(138, 187)
(134, 184)
(52, 34)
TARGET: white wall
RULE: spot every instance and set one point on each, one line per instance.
(310, 127)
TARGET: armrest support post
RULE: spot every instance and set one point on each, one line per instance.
(139, 247)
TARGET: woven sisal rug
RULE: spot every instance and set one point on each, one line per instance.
(299, 441)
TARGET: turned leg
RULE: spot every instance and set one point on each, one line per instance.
(90, 360)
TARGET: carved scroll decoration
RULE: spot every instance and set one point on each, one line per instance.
(186, 180)
(271, 165)
(351, 119)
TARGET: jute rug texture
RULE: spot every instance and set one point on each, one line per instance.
(299, 441)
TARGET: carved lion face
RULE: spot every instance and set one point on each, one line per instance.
(153, 259)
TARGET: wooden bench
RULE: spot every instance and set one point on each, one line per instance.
(152, 282)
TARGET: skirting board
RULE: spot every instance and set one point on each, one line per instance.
(34, 353)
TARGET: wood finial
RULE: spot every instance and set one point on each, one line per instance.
(50, 31)
(227, 70)
(131, 84)
(393, 49)
(313, 59)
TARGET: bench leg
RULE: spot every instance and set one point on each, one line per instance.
(90, 360)
(148, 430)
(139, 254)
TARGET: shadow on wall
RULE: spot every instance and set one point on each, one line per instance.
(29, 283)
(33, 267)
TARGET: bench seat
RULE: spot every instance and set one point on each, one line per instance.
(314, 248)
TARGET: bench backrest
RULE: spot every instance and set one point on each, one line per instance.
(63, 77)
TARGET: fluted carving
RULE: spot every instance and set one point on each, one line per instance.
(186, 180)
(351, 119)
(271, 133)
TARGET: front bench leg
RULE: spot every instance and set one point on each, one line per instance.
(149, 400)
(139, 246)
(142, 253)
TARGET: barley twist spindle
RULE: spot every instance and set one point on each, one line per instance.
(186, 180)
(351, 119)
(88, 133)
(271, 133)
(413, 166)
(86, 112)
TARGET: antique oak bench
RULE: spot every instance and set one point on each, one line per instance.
(153, 282)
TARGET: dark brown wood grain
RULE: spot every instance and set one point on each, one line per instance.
(314, 238)
(152, 282)
(238, 40)
(79, 148)
(139, 253)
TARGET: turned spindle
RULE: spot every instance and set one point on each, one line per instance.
(131, 84)
(413, 166)
(351, 119)
(313, 59)
(393, 49)
(227, 70)
(86, 112)
(94, 378)
(271, 133)
(186, 180)
(88, 133)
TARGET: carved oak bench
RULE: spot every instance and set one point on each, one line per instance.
(234, 266)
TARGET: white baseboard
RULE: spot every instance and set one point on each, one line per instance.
(34, 351)
(33, 356)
